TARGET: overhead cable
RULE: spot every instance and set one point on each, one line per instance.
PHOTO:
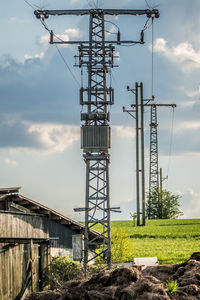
(171, 142)
(147, 3)
(66, 64)
(61, 55)
(32, 6)
(152, 59)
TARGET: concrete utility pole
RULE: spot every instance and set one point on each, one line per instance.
(161, 202)
(140, 166)
(138, 114)
(96, 55)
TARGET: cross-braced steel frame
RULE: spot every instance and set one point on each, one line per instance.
(153, 166)
(153, 170)
(96, 56)
(98, 60)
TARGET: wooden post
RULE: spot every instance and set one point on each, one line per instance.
(31, 263)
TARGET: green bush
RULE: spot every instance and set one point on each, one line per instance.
(62, 269)
(172, 286)
(122, 249)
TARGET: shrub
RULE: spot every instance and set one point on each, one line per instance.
(121, 246)
(172, 286)
(62, 269)
(134, 217)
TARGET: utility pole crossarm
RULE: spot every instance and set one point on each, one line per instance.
(96, 42)
(159, 104)
(163, 104)
(81, 12)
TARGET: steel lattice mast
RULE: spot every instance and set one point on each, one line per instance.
(153, 169)
(98, 60)
(97, 57)
(153, 162)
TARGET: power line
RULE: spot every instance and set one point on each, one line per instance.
(91, 5)
(145, 25)
(152, 59)
(147, 3)
(171, 141)
(64, 60)
(68, 67)
(33, 7)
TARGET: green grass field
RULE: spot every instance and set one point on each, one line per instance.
(172, 241)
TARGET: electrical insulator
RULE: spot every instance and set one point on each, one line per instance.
(157, 14)
(149, 13)
(142, 37)
(51, 37)
(118, 37)
(37, 14)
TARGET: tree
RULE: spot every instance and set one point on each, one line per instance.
(163, 205)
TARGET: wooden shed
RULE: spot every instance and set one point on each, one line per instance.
(29, 232)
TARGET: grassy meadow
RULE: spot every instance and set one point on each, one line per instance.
(172, 241)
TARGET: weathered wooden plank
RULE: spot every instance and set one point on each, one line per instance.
(15, 267)
(15, 259)
(23, 225)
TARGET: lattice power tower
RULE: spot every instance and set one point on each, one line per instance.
(153, 163)
(97, 57)
(153, 169)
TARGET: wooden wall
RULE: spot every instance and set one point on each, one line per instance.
(22, 265)
(23, 225)
(21, 270)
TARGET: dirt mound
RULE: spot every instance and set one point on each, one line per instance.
(129, 283)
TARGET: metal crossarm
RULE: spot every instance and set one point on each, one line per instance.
(82, 12)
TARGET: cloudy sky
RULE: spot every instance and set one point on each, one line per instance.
(40, 111)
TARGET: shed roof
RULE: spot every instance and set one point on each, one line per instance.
(39, 208)
(11, 190)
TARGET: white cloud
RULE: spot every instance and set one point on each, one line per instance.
(183, 54)
(186, 104)
(191, 204)
(65, 36)
(54, 137)
(188, 125)
(12, 19)
(194, 93)
(191, 125)
(124, 131)
(39, 55)
(44, 41)
(9, 161)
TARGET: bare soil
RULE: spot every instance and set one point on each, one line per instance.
(127, 283)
